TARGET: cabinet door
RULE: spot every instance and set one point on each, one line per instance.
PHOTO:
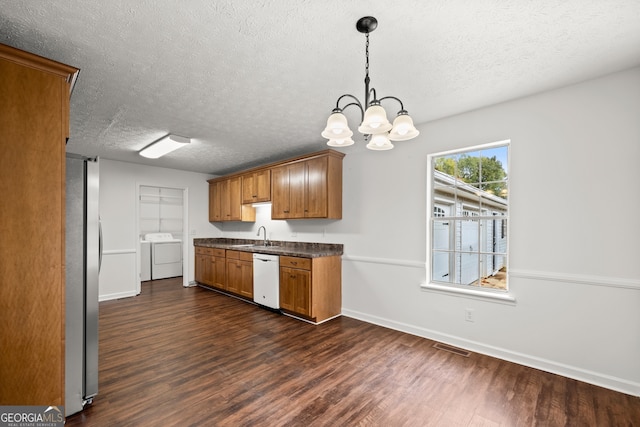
(202, 262)
(262, 185)
(280, 192)
(234, 275)
(217, 273)
(235, 199)
(302, 279)
(295, 290)
(287, 295)
(222, 187)
(246, 279)
(256, 187)
(297, 189)
(249, 190)
(316, 188)
(215, 207)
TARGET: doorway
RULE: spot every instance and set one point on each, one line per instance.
(161, 210)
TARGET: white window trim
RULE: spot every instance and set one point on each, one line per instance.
(476, 293)
(487, 294)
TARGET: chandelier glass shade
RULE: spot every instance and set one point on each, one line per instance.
(374, 123)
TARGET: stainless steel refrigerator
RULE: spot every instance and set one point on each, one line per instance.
(83, 256)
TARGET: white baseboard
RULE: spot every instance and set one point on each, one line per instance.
(118, 295)
(599, 379)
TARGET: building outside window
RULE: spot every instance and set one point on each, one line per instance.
(469, 211)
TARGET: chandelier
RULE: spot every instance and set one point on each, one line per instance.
(374, 123)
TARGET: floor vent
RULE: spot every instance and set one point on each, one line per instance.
(451, 349)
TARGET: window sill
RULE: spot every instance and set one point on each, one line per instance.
(484, 295)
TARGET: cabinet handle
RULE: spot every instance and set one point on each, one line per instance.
(292, 277)
(285, 211)
(294, 262)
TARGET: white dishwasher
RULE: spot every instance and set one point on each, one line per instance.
(266, 280)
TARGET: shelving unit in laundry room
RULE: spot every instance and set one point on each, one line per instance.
(161, 211)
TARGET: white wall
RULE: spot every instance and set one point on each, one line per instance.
(119, 182)
(574, 234)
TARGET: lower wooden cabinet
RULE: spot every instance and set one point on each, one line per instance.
(311, 287)
(240, 273)
(295, 290)
(218, 270)
(202, 262)
(210, 267)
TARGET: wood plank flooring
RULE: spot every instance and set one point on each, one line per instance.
(177, 356)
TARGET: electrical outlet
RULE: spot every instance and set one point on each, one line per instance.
(469, 315)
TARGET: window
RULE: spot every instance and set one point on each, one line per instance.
(469, 211)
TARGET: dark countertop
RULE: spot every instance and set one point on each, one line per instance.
(299, 249)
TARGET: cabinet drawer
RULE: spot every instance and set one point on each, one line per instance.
(217, 252)
(295, 262)
(203, 251)
(209, 251)
(243, 256)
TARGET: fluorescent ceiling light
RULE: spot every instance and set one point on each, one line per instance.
(163, 146)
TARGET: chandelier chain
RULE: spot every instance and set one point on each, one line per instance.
(367, 56)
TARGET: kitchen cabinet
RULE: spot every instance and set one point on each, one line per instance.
(308, 188)
(225, 201)
(215, 208)
(295, 290)
(210, 267)
(240, 273)
(201, 273)
(256, 186)
(34, 127)
(311, 288)
(218, 269)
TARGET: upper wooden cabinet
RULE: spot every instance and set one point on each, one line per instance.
(225, 201)
(308, 188)
(215, 209)
(256, 186)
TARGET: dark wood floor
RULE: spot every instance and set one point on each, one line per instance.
(177, 356)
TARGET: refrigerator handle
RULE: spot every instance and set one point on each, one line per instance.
(99, 244)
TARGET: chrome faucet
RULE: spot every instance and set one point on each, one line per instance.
(262, 227)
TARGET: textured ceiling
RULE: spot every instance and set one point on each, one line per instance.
(254, 81)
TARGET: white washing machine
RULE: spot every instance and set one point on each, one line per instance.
(166, 255)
